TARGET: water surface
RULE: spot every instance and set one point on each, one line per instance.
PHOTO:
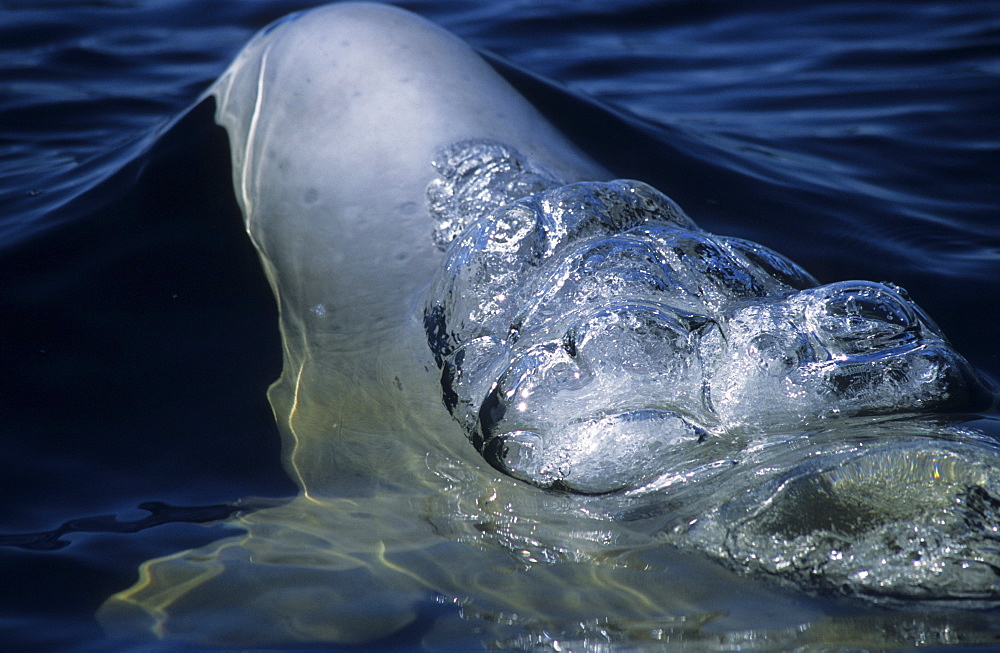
(139, 335)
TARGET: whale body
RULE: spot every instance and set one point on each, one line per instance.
(641, 396)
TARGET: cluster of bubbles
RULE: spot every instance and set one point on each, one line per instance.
(591, 334)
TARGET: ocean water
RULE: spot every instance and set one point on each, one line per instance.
(139, 335)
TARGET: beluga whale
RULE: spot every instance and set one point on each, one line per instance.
(509, 373)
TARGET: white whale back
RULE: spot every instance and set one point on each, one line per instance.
(334, 117)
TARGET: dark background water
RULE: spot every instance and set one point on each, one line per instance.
(137, 334)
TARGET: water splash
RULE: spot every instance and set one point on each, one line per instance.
(591, 336)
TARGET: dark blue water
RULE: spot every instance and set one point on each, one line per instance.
(138, 335)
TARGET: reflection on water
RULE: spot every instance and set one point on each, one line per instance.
(530, 569)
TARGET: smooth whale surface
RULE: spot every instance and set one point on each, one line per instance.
(441, 255)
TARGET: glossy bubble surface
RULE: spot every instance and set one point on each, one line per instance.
(603, 301)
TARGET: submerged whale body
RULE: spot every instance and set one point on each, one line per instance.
(449, 268)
